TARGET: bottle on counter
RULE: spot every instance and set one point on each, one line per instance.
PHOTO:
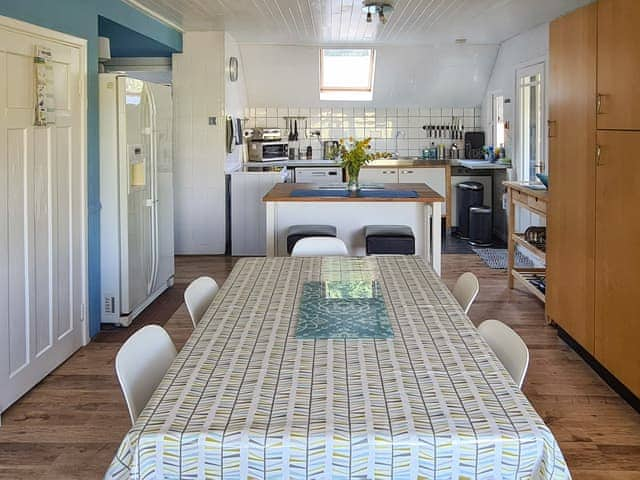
(309, 152)
(441, 151)
(433, 151)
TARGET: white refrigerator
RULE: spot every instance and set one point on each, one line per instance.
(136, 195)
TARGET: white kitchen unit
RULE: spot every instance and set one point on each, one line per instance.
(487, 181)
(378, 175)
(248, 224)
(434, 177)
(136, 192)
(318, 175)
(350, 216)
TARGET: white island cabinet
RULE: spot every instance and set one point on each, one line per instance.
(351, 214)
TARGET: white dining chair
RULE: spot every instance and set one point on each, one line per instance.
(198, 296)
(319, 247)
(141, 363)
(466, 290)
(508, 347)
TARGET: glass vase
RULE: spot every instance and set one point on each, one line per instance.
(353, 184)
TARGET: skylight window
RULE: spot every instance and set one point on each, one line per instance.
(347, 73)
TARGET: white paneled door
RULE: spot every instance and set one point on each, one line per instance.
(42, 209)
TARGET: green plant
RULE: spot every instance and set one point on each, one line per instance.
(355, 154)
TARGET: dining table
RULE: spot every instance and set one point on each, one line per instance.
(337, 368)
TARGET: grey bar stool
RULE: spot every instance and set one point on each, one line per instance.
(389, 240)
(298, 232)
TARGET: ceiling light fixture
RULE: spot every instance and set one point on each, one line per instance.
(381, 9)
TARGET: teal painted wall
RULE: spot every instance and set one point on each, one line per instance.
(80, 18)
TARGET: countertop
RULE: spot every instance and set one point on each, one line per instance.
(409, 162)
(525, 188)
(281, 192)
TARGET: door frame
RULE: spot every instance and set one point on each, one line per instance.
(47, 34)
(519, 70)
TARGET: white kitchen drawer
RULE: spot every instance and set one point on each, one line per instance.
(378, 175)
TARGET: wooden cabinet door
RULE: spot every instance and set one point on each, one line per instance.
(378, 175)
(617, 332)
(571, 209)
(618, 64)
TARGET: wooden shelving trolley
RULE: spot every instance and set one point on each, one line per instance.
(534, 200)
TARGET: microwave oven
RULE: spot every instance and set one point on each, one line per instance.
(260, 151)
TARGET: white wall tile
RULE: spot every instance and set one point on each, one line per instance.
(381, 124)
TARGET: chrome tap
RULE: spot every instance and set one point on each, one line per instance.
(396, 153)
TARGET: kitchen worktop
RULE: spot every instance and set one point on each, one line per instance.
(294, 163)
(409, 162)
(281, 192)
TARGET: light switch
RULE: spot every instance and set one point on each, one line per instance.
(213, 121)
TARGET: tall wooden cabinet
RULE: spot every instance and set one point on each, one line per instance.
(618, 100)
(572, 145)
(593, 250)
(617, 326)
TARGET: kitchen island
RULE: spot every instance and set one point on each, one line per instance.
(415, 206)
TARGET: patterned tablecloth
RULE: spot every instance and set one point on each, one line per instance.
(246, 399)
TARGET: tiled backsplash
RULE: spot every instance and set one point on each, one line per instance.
(381, 124)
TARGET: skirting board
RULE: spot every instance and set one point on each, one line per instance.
(605, 374)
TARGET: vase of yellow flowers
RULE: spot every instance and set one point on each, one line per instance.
(355, 154)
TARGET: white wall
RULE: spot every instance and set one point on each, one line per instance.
(524, 49)
(438, 76)
(235, 96)
(199, 159)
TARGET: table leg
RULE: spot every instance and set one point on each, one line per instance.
(436, 236)
(271, 229)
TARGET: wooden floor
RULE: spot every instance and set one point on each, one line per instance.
(71, 424)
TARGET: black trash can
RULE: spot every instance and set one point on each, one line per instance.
(468, 194)
(480, 227)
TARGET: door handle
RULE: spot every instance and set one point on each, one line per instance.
(599, 103)
(406, 171)
(599, 156)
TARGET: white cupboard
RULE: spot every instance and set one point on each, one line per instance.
(248, 212)
(434, 177)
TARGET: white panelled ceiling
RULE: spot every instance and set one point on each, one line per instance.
(342, 21)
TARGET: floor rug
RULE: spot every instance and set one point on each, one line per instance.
(497, 258)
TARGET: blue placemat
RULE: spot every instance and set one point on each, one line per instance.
(319, 193)
(343, 310)
(388, 193)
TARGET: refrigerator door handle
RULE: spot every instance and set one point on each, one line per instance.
(152, 202)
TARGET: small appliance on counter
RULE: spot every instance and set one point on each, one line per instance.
(473, 145)
(266, 145)
(330, 149)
